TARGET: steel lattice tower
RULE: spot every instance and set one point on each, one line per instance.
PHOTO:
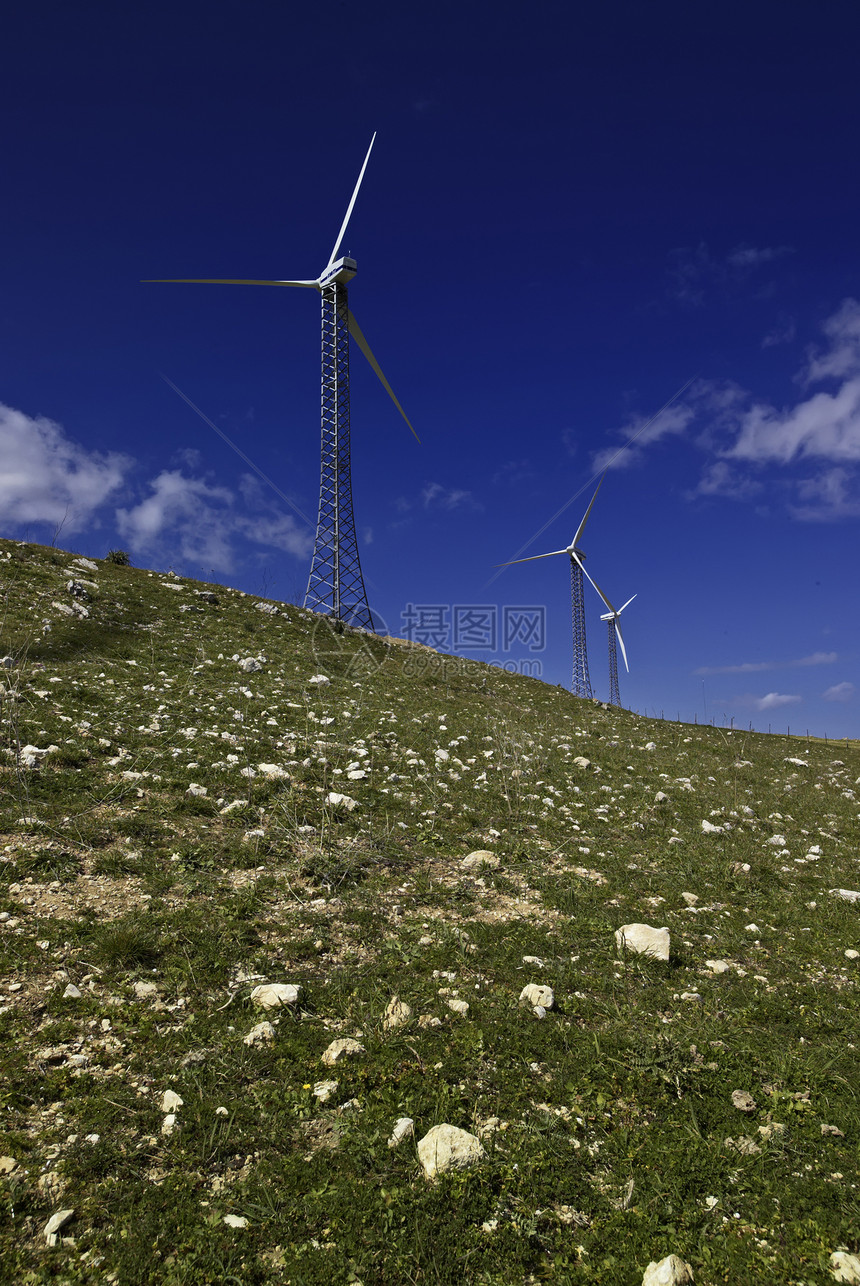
(580, 684)
(614, 694)
(335, 585)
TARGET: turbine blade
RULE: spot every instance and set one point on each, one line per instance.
(355, 331)
(627, 604)
(532, 558)
(581, 526)
(333, 254)
(623, 648)
(581, 566)
(225, 281)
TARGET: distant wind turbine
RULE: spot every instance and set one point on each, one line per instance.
(335, 586)
(614, 631)
(580, 683)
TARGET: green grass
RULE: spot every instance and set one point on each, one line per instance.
(616, 1139)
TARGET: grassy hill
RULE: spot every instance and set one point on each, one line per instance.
(177, 828)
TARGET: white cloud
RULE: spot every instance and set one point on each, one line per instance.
(840, 692)
(842, 357)
(774, 700)
(48, 478)
(746, 667)
(826, 426)
(640, 433)
(434, 494)
(744, 256)
(201, 523)
(818, 658)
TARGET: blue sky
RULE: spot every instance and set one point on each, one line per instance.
(570, 213)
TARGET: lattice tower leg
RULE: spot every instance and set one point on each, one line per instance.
(335, 586)
(581, 684)
(614, 694)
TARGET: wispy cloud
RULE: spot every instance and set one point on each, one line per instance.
(47, 477)
(840, 692)
(774, 700)
(434, 495)
(754, 667)
(694, 270)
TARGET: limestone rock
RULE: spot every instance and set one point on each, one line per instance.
(271, 995)
(397, 1012)
(71, 992)
(446, 1147)
(170, 1101)
(429, 1020)
(250, 665)
(845, 1267)
(847, 895)
(480, 857)
(168, 1125)
(717, 966)
(537, 994)
(260, 1035)
(710, 829)
(57, 1221)
(334, 800)
(145, 989)
(7, 1165)
(235, 1221)
(323, 1090)
(671, 1271)
(743, 1101)
(197, 790)
(344, 1047)
(404, 1127)
(643, 939)
(319, 680)
(459, 1007)
(273, 771)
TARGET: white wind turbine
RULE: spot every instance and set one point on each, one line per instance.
(614, 631)
(335, 585)
(580, 684)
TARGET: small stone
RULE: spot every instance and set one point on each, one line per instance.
(397, 1013)
(643, 939)
(671, 1271)
(335, 800)
(196, 790)
(480, 857)
(273, 771)
(429, 1021)
(660, 797)
(717, 966)
(144, 989)
(71, 992)
(235, 1221)
(404, 1127)
(323, 1090)
(753, 928)
(446, 1147)
(170, 1101)
(459, 1007)
(344, 1047)
(537, 994)
(250, 665)
(832, 1130)
(710, 829)
(57, 1221)
(206, 596)
(847, 895)
(168, 1125)
(743, 1101)
(319, 680)
(845, 1267)
(690, 898)
(851, 954)
(221, 1111)
(7, 1165)
(272, 995)
(262, 1034)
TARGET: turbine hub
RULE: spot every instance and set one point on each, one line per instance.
(342, 270)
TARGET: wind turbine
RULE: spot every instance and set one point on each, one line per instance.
(335, 585)
(614, 630)
(581, 683)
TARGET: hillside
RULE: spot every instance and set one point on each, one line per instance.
(202, 793)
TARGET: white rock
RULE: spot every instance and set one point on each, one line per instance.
(845, 1267)
(168, 1125)
(690, 898)
(334, 800)
(319, 680)
(480, 857)
(357, 774)
(194, 789)
(459, 1007)
(670, 1271)
(32, 756)
(344, 1047)
(643, 939)
(144, 989)
(582, 762)
(71, 992)
(86, 563)
(650, 745)
(743, 1101)
(717, 966)
(753, 928)
(710, 829)
(404, 1127)
(851, 954)
(441, 756)
(536, 993)
(323, 1090)
(660, 797)
(170, 1101)
(273, 994)
(397, 1012)
(847, 895)
(235, 1221)
(250, 665)
(57, 1221)
(260, 1035)
(533, 960)
(273, 771)
(446, 1147)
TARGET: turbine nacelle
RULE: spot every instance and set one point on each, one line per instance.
(342, 270)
